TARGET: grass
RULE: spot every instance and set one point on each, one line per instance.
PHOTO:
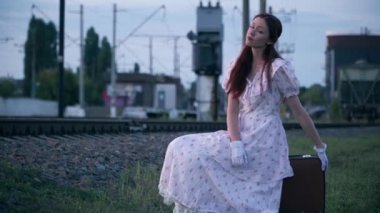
(26, 191)
(353, 183)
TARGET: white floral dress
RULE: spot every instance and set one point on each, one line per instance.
(197, 173)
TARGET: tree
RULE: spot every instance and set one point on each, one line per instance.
(40, 50)
(91, 53)
(93, 90)
(97, 62)
(7, 88)
(105, 55)
(314, 95)
(48, 90)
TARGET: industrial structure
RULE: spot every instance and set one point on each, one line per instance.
(207, 58)
(351, 62)
(346, 49)
(359, 91)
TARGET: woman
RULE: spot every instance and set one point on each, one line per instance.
(242, 169)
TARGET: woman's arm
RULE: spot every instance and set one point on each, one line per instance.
(238, 154)
(233, 117)
(304, 119)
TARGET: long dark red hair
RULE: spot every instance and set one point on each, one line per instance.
(243, 65)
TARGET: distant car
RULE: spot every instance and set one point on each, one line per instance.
(179, 114)
(317, 112)
(134, 112)
(74, 111)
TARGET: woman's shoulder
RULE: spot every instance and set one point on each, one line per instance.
(278, 63)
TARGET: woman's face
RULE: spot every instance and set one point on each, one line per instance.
(257, 34)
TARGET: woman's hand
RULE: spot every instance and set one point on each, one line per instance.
(321, 152)
(238, 154)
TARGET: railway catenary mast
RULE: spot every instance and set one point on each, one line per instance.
(61, 58)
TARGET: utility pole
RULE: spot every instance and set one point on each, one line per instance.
(33, 65)
(33, 80)
(245, 20)
(81, 71)
(151, 55)
(285, 48)
(263, 6)
(61, 100)
(175, 56)
(113, 67)
(245, 17)
(81, 53)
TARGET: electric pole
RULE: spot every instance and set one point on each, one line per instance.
(113, 67)
(33, 83)
(176, 58)
(151, 55)
(286, 17)
(81, 71)
(263, 6)
(33, 65)
(61, 100)
(81, 53)
(245, 20)
(175, 46)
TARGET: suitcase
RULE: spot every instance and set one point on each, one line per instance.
(305, 191)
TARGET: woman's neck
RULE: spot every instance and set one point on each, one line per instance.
(258, 59)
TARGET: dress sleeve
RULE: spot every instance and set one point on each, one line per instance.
(286, 81)
(227, 76)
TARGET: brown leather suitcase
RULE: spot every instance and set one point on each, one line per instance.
(305, 191)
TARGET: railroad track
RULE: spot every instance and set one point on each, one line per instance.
(67, 126)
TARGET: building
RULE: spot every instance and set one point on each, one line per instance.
(146, 90)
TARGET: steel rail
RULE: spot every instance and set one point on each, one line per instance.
(17, 126)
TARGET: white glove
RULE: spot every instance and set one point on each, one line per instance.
(321, 152)
(238, 155)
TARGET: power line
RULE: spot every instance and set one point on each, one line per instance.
(140, 25)
(166, 23)
(5, 39)
(192, 5)
(35, 7)
(286, 16)
(175, 54)
(133, 54)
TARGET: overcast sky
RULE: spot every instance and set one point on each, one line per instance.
(306, 29)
